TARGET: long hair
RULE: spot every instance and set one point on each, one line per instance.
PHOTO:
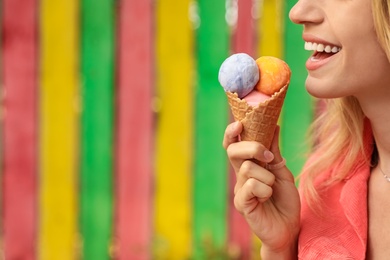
(337, 134)
(381, 15)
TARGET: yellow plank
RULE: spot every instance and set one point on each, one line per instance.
(270, 28)
(174, 42)
(58, 129)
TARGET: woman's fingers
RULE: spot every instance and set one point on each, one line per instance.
(251, 170)
(232, 134)
(250, 195)
(248, 150)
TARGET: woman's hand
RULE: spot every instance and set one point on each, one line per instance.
(268, 199)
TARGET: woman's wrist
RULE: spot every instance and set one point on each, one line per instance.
(290, 253)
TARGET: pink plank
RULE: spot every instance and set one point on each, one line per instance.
(243, 41)
(19, 23)
(244, 35)
(134, 124)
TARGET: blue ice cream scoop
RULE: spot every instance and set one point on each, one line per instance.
(239, 73)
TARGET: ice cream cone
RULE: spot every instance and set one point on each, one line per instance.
(259, 122)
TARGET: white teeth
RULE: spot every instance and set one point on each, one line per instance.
(319, 47)
(335, 49)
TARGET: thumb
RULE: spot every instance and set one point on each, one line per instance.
(278, 164)
(275, 147)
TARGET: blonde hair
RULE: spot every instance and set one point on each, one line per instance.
(338, 139)
(381, 15)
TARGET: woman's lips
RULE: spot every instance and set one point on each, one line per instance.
(319, 59)
(323, 51)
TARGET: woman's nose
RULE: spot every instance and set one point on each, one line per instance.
(305, 12)
(294, 14)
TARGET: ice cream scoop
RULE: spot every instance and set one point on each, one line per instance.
(274, 74)
(255, 97)
(239, 74)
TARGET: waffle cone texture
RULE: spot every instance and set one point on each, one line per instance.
(259, 123)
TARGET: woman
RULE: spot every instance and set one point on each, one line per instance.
(343, 206)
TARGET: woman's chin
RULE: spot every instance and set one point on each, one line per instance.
(321, 89)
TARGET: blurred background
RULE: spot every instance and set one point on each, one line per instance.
(112, 121)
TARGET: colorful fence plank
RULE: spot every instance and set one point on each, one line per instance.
(58, 129)
(244, 40)
(211, 118)
(19, 64)
(134, 164)
(174, 40)
(96, 169)
(271, 28)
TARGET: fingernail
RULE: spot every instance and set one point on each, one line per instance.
(268, 155)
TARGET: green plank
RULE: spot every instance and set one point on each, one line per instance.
(297, 110)
(97, 66)
(211, 118)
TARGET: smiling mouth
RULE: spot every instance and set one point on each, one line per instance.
(321, 51)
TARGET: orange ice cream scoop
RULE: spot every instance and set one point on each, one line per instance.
(274, 74)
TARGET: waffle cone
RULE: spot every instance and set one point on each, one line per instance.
(259, 122)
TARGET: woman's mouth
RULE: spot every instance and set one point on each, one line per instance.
(321, 54)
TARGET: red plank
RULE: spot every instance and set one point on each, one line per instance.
(134, 126)
(19, 133)
(243, 41)
(244, 36)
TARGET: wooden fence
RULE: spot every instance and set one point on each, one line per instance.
(112, 123)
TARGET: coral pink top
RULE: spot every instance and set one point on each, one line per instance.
(342, 231)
